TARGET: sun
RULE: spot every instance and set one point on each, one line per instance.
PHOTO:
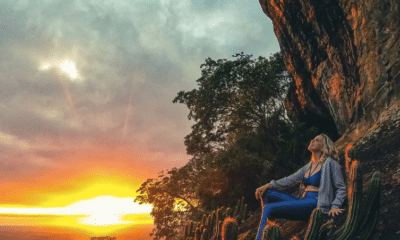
(99, 211)
(106, 210)
(67, 67)
(98, 206)
(99, 215)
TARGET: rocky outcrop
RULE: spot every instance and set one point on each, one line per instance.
(343, 56)
(378, 149)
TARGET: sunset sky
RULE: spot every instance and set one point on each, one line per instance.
(86, 90)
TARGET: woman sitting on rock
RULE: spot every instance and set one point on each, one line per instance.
(322, 186)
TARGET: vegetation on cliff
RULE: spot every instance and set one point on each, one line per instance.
(241, 138)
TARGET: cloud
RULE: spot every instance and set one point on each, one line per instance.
(131, 58)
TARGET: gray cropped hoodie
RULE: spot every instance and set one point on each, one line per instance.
(332, 189)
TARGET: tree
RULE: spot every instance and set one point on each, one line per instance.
(241, 133)
(241, 95)
(173, 200)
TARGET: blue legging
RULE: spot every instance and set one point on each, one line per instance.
(278, 204)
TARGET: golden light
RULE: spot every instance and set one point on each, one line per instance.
(92, 187)
(99, 206)
(100, 215)
(106, 210)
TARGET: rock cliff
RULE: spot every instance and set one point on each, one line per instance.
(344, 58)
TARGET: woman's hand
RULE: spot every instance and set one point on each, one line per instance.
(335, 211)
(260, 191)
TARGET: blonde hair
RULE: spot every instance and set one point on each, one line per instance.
(329, 148)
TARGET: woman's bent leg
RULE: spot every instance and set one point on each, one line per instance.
(297, 208)
(271, 195)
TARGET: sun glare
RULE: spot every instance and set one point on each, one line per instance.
(97, 206)
(68, 67)
(99, 215)
(96, 209)
(106, 210)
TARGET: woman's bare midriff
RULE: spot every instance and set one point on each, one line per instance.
(309, 189)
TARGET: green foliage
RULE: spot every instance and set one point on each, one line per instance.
(229, 229)
(213, 223)
(314, 225)
(203, 220)
(240, 210)
(241, 138)
(370, 208)
(172, 198)
(363, 213)
(234, 95)
(240, 126)
(293, 152)
(229, 212)
(220, 215)
(197, 234)
(271, 233)
(354, 216)
(205, 235)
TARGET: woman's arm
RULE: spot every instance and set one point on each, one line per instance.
(337, 177)
(290, 180)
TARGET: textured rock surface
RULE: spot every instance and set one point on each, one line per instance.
(343, 56)
(378, 149)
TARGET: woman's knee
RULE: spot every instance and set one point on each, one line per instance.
(270, 193)
(265, 196)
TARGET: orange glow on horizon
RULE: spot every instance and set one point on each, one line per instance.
(97, 216)
(93, 195)
(72, 222)
(95, 172)
(70, 191)
(96, 205)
